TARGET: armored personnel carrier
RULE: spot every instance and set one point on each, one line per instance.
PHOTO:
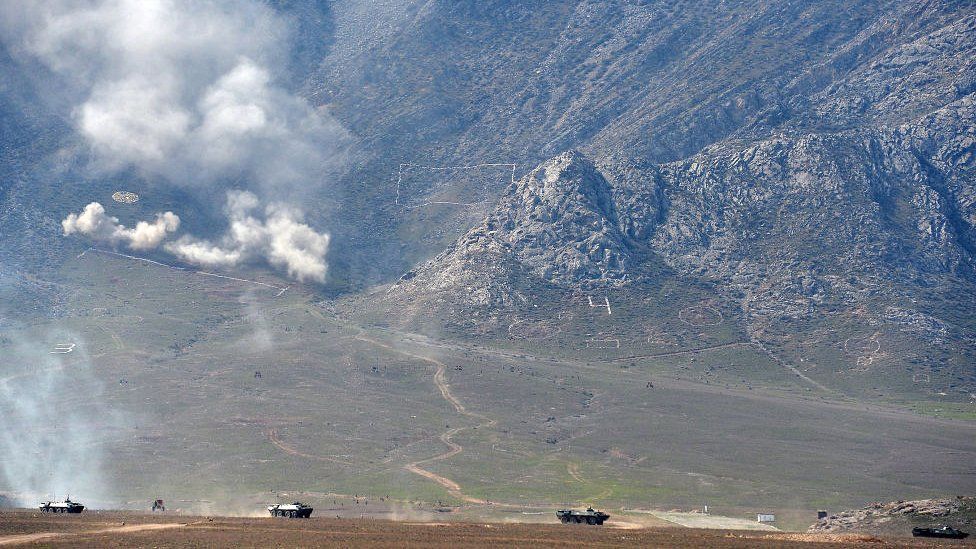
(290, 510)
(940, 532)
(66, 506)
(590, 516)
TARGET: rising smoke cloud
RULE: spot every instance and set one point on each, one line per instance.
(281, 238)
(180, 89)
(54, 422)
(94, 223)
(187, 92)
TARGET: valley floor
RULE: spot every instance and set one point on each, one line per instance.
(219, 394)
(113, 529)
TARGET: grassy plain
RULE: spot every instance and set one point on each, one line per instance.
(234, 394)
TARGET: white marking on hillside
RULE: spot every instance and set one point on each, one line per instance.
(136, 258)
(700, 316)
(869, 346)
(609, 343)
(280, 289)
(63, 348)
(406, 165)
(606, 303)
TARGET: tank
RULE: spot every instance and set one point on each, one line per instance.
(290, 510)
(590, 516)
(66, 506)
(940, 532)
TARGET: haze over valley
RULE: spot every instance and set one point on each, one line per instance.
(478, 261)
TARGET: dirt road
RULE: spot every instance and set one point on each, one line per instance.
(92, 530)
(22, 539)
(454, 448)
(272, 435)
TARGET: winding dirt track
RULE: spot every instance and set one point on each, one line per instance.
(273, 437)
(573, 471)
(20, 539)
(454, 448)
(683, 351)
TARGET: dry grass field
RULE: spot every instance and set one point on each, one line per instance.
(219, 395)
(118, 529)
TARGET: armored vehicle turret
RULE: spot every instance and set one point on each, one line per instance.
(590, 516)
(290, 510)
(66, 506)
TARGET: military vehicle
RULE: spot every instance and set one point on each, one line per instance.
(158, 505)
(290, 510)
(66, 506)
(945, 531)
(590, 516)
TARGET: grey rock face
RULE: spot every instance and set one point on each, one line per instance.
(787, 219)
(814, 160)
(557, 225)
(877, 515)
(806, 228)
(893, 204)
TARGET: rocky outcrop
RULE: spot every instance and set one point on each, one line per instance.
(557, 226)
(824, 215)
(900, 515)
(804, 228)
(791, 221)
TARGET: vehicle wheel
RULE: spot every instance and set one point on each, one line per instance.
(291, 514)
(591, 520)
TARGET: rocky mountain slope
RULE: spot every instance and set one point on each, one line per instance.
(557, 225)
(867, 227)
(813, 161)
(448, 84)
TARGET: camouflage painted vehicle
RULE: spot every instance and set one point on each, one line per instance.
(66, 506)
(590, 516)
(940, 532)
(290, 510)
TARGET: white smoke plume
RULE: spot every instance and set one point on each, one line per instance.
(281, 238)
(181, 89)
(52, 436)
(187, 92)
(94, 223)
